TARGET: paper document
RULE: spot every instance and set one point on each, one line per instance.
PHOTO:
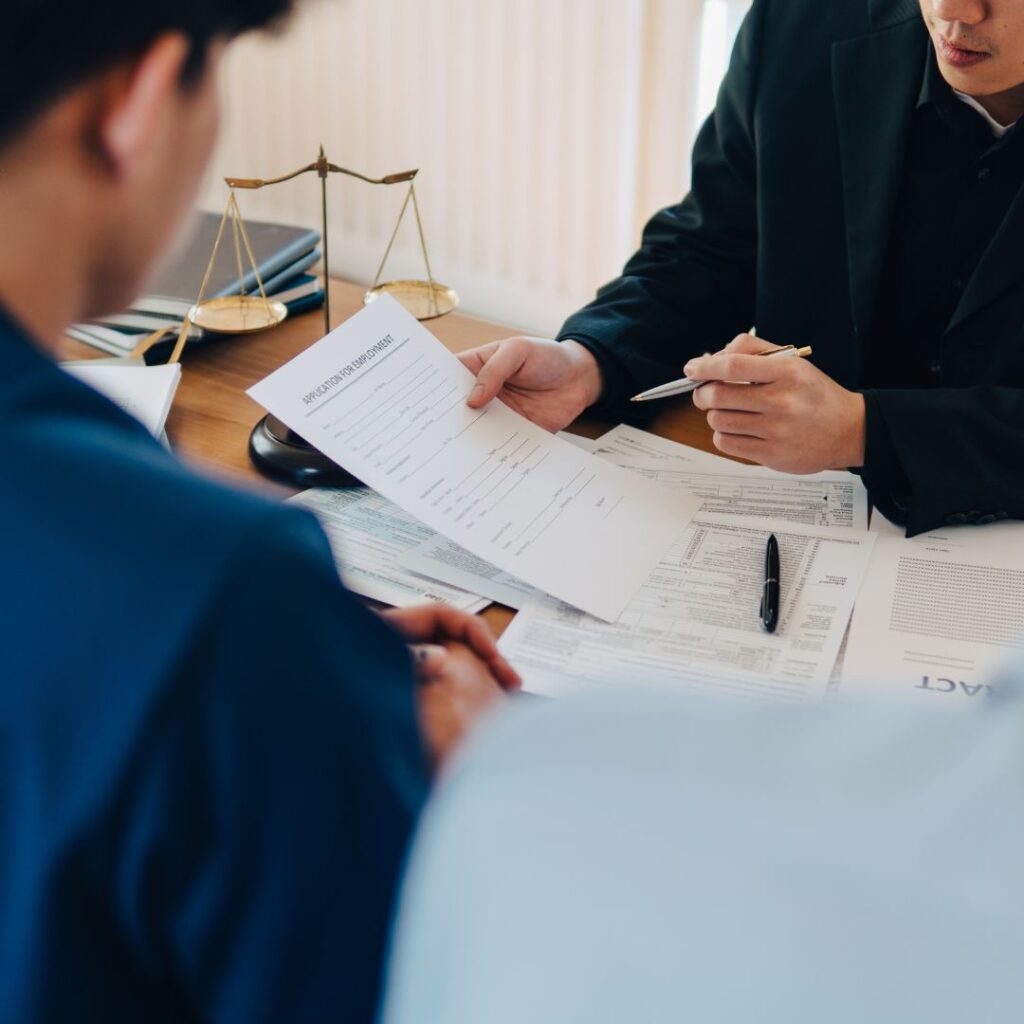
(825, 499)
(387, 401)
(443, 559)
(882, 526)
(586, 443)
(145, 392)
(639, 445)
(367, 533)
(822, 499)
(833, 498)
(695, 623)
(836, 679)
(938, 613)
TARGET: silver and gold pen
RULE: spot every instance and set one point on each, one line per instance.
(684, 385)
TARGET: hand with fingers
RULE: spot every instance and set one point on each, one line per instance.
(548, 382)
(782, 413)
(456, 691)
(461, 672)
(438, 625)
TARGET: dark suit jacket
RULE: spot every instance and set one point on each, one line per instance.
(795, 179)
(209, 760)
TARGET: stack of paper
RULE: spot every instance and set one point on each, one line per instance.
(695, 622)
(378, 548)
(368, 535)
(633, 558)
(642, 560)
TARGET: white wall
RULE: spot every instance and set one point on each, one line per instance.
(546, 131)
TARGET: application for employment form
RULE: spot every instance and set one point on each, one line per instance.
(695, 623)
(938, 614)
(383, 398)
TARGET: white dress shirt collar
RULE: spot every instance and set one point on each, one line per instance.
(998, 130)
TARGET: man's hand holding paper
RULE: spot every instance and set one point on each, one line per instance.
(548, 382)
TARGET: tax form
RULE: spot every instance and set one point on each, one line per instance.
(832, 498)
(723, 486)
(586, 443)
(386, 400)
(443, 559)
(695, 624)
(938, 614)
(821, 499)
(639, 445)
(367, 534)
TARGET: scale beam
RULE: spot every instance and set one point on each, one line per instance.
(322, 170)
(424, 299)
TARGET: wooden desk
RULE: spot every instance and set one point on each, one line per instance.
(212, 415)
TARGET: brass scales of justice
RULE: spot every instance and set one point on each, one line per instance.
(275, 450)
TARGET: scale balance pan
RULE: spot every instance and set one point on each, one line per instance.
(238, 314)
(423, 300)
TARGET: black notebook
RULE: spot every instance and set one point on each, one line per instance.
(274, 246)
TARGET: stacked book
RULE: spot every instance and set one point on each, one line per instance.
(283, 254)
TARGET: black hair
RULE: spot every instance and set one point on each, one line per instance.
(46, 48)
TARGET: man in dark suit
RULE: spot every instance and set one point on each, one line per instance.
(211, 755)
(858, 189)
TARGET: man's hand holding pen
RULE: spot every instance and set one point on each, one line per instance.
(787, 414)
(790, 416)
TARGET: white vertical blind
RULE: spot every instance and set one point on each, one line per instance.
(547, 131)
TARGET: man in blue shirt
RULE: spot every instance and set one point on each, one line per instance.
(210, 758)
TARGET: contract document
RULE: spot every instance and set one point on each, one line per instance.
(695, 623)
(938, 614)
(367, 534)
(387, 401)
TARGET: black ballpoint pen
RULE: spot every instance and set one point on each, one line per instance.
(772, 594)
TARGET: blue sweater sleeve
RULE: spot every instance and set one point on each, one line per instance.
(270, 811)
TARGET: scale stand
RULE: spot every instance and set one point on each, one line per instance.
(282, 455)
